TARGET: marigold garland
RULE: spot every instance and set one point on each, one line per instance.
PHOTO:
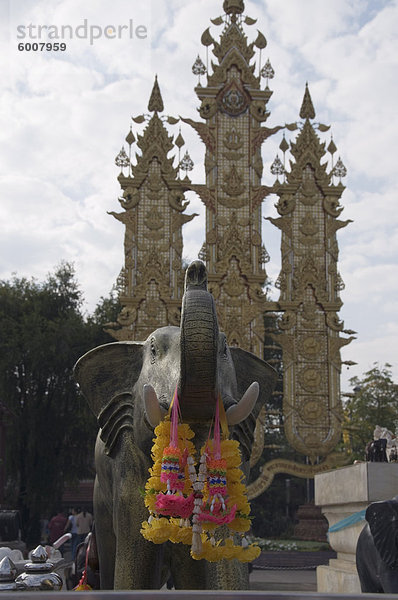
(189, 507)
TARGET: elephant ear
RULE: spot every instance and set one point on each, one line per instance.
(383, 522)
(106, 376)
(249, 368)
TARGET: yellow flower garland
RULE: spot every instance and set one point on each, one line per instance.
(161, 529)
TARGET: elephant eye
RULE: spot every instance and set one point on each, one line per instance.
(153, 351)
(225, 349)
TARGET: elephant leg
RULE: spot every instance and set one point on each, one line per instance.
(106, 542)
(389, 581)
(187, 573)
(228, 575)
(368, 563)
(138, 562)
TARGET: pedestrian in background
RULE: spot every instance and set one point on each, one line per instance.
(84, 522)
(56, 528)
(71, 527)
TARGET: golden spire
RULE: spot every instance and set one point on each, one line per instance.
(233, 7)
(307, 110)
(155, 103)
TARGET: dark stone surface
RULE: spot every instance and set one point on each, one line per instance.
(292, 559)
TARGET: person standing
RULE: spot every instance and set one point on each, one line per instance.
(56, 528)
(71, 527)
(84, 522)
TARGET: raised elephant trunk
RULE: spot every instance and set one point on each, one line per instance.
(197, 388)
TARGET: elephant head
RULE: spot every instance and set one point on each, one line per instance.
(127, 383)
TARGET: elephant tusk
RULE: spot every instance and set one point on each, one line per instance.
(239, 412)
(153, 410)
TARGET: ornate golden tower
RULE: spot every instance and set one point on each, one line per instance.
(309, 284)
(151, 282)
(234, 108)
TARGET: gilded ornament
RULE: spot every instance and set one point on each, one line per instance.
(284, 146)
(257, 164)
(267, 72)
(204, 132)
(307, 110)
(332, 146)
(233, 101)
(233, 140)
(258, 110)
(198, 68)
(130, 138)
(286, 204)
(308, 225)
(288, 320)
(281, 465)
(206, 38)
(310, 315)
(309, 346)
(210, 162)
(122, 160)
(233, 156)
(179, 141)
(333, 321)
(283, 223)
(310, 378)
(260, 41)
(277, 167)
(233, 182)
(263, 133)
(208, 108)
(153, 219)
(339, 169)
(258, 195)
(234, 285)
(333, 225)
(130, 198)
(177, 201)
(256, 238)
(308, 192)
(211, 237)
(155, 103)
(313, 409)
(332, 206)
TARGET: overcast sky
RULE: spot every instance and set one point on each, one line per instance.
(64, 117)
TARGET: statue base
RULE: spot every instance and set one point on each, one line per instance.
(311, 525)
(340, 494)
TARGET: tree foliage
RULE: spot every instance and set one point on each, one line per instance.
(373, 401)
(50, 431)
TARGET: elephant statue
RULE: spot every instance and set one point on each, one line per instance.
(377, 551)
(129, 386)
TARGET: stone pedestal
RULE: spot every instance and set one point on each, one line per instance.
(340, 493)
(311, 525)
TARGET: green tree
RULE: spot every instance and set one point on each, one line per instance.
(50, 431)
(373, 401)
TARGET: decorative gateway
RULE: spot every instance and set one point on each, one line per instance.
(203, 508)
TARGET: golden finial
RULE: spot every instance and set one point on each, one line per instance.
(155, 103)
(307, 110)
(233, 7)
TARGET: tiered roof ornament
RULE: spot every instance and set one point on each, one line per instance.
(233, 106)
(151, 281)
(309, 282)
